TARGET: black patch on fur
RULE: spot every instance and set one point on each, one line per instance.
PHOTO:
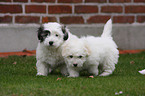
(40, 30)
(65, 33)
(42, 34)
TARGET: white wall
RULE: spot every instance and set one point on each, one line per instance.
(18, 37)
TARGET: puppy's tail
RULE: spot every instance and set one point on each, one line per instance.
(107, 32)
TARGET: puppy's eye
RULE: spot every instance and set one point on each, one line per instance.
(47, 32)
(70, 56)
(56, 35)
(80, 56)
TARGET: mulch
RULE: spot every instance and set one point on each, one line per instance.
(22, 53)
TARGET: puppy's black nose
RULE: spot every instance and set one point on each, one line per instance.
(75, 65)
(50, 42)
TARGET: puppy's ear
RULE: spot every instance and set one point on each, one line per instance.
(39, 34)
(64, 30)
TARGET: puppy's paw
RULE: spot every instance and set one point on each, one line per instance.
(64, 73)
(105, 74)
(72, 76)
(40, 74)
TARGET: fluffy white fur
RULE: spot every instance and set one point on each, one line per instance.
(49, 55)
(90, 52)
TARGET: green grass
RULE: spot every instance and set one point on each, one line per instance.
(19, 79)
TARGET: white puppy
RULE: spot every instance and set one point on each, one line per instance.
(48, 54)
(90, 52)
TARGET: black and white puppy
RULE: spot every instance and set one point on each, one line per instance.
(48, 52)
